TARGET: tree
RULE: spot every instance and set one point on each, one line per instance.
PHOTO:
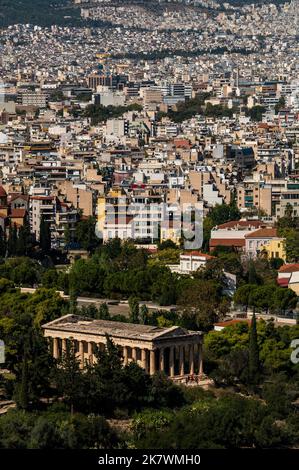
(292, 245)
(2, 243)
(24, 241)
(167, 244)
(280, 105)
(243, 295)
(68, 377)
(230, 422)
(45, 236)
(144, 315)
(22, 392)
(104, 379)
(103, 312)
(100, 434)
(253, 277)
(134, 309)
(85, 234)
(12, 240)
(44, 435)
(73, 301)
(224, 213)
(200, 303)
(15, 429)
(232, 368)
(256, 112)
(275, 392)
(254, 363)
(21, 243)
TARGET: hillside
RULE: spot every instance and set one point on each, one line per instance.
(64, 12)
(38, 12)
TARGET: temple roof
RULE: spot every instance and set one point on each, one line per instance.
(77, 324)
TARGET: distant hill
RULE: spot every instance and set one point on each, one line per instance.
(38, 12)
(64, 12)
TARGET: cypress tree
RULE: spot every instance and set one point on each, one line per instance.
(21, 249)
(45, 236)
(144, 315)
(253, 277)
(134, 309)
(73, 301)
(12, 240)
(27, 237)
(22, 395)
(103, 312)
(254, 361)
(2, 243)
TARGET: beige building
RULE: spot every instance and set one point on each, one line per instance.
(175, 351)
(252, 194)
(80, 198)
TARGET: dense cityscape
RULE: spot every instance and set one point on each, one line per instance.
(149, 224)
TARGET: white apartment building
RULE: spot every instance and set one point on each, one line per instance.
(190, 262)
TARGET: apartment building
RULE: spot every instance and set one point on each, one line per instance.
(255, 194)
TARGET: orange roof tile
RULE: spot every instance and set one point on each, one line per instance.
(289, 268)
(263, 233)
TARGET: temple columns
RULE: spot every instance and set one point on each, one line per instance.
(152, 362)
(191, 359)
(200, 365)
(81, 353)
(134, 354)
(171, 361)
(181, 361)
(162, 359)
(125, 355)
(143, 359)
(55, 348)
(90, 353)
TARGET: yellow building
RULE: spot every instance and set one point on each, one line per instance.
(171, 230)
(275, 249)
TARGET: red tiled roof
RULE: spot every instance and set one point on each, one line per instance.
(263, 233)
(182, 143)
(15, 196)
(289, 268)
(18, 213)
(243, 224)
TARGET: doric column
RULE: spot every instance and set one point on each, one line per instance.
(55, 348)
(191, 359)
(90, 353)
(152, 362)
(171, 361)
(181, 363)
(63, 345)
(125, 355)
(143, 359)
(162, 361)
(81, 353)
(134, 354)
(200, 361)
